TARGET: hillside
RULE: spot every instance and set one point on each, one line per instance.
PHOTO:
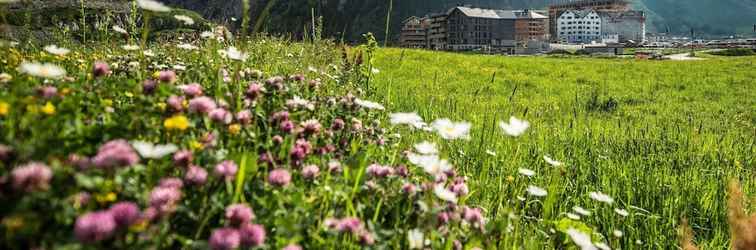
(355, 17)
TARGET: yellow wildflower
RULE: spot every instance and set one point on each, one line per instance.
(48, 109)
(234, 128)
(65, 91)
(4, 108)
(510, 178)
(178, 122)
(162, 106)
(196, 145)
(13, 223)
(106, 198)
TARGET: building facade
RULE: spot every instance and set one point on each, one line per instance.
(414, 32)
(494, 30)
(556, 10)
(579, 26)
(437, 32)
(627, 25)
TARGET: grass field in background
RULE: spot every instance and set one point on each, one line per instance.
(661, 137)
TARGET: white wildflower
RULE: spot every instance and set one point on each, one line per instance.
(432, 164)
(526, 172)
(515, 127)
(5, 77)
(120, 29)
(185, 19)
(618, 233)
(412, 119)
(207, 34)
(445, 194)
(490, 152)
(622, 212)
(44, 70)
(573, 216)
(375, 71)
(581, 211)
(426, 148)
(186, 46)
(536, 191)
(601, 197)
(130, 47)
(153, 5)
(234, 54)
(452, 130)
(415, 238)
(55, 50)
(581, 239)
(368, 104)
(152, 151)
(148, 53)
(552, 162)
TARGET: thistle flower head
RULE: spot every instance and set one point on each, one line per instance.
(31, 177)
(94, 226)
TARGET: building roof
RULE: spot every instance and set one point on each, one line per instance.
(498, 14)
(580, 13)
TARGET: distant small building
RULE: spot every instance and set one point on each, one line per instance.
(579, 26)
(493, 30)
(627, 25)
(414, 32)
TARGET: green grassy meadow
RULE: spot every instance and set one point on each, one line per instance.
(661, 137)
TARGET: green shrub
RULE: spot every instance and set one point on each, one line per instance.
(734, 52)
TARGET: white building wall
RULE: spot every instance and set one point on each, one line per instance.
(573, 29)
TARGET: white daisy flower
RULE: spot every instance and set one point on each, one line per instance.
(581, 239)
(368, 104)
(412, 119)
(120, 29)
(44, 70)
(515, 127)
(526, 172)
(153, 5)
(581, 211)
(536, 191)
(445, 194)
(452, 130)
(152, 151)
(415, 238)
(552, 162)
(431, 164)
(573, 216)
(185, 19)
(186, 46)
(235, 54)
(130, 47)
(55, 50)
(426, 148)
(622, 212)
(601, 197)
